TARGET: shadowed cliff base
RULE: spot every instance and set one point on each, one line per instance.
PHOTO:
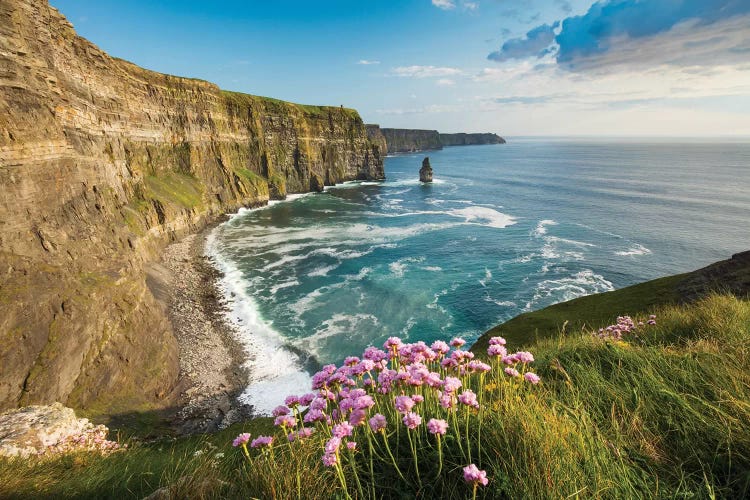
(103, 163)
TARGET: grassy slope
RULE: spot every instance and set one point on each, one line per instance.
(595, 311)
(665, 414)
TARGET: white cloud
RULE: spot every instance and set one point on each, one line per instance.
(367, 62)
(444, 4)
(445, 82)
(425, 71)
(471, 5)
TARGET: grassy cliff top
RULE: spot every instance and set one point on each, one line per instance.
(594, 311)
(239, 98)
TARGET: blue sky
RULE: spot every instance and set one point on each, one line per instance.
(522, 67)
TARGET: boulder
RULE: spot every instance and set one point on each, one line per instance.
(38, 430)
(425, 173)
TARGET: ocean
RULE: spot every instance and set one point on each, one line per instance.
(504, 229)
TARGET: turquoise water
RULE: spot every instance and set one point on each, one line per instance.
(504, 229)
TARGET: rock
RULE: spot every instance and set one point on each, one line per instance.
(425, 173)
(32, 429)
(110, 157)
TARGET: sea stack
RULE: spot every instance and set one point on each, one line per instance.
(425, 173)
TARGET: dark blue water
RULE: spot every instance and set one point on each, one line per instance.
(504, 229)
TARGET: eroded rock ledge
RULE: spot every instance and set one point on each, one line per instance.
(101, 164)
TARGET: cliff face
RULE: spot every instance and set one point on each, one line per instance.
(470, 139)
(397, 140)
(408, 141)
(101, 164)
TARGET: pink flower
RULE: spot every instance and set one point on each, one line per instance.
(458, 342)
(404, 404)
(524, 357)
(365, 402)
(469, 398)
(262, 441)
(412, 420)
(512, 372)
(280, 410)
(342, 430)
(285, 421)
(497, 341)
(440, 346)
(357, 417)
(332, 445)
(330, 459)
(241, 439)
(307, 399)
(351, 445)
(437, 426)
(378, 423)
(451, 384)
(393, 342)
(497, 350)
(291, 401)
(417, 398)
(447, 400)
(314, 415)
(472, 474)
(531, 377)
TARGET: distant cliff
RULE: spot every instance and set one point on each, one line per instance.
(470, 139)
(407, 141)
(397, 140)
(101, 164)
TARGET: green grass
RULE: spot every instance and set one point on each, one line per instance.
(176, 189)
(592, 311)
(665, 414)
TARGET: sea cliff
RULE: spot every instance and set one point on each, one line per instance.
(102, 163)
(397, 140)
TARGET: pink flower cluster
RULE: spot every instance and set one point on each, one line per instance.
(93, 439)
(625, 325)
(391, 387)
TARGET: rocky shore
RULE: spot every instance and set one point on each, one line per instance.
(211, 372)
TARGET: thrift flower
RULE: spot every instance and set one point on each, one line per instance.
(404, 404)
(378, 423)
(437, 426)
(532, 377)
(412, 420)
(512, 372)
(262, 441)
(330, 459)
(469, 398)
(241, 439)
(473, 475)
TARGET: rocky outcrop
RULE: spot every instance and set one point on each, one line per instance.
(375, 134)
(470, 139)
(39, 430)
(410, 141)
(101, 164)
(397, 140)
(425, 173)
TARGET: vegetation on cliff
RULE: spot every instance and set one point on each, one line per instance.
(661, 411)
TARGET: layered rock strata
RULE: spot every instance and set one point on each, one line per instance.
(101, 164)
(462, 139)
(397, 140)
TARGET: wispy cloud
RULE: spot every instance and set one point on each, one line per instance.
(445, 82)
(425, 71)
(367, 62)
(444, 4)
